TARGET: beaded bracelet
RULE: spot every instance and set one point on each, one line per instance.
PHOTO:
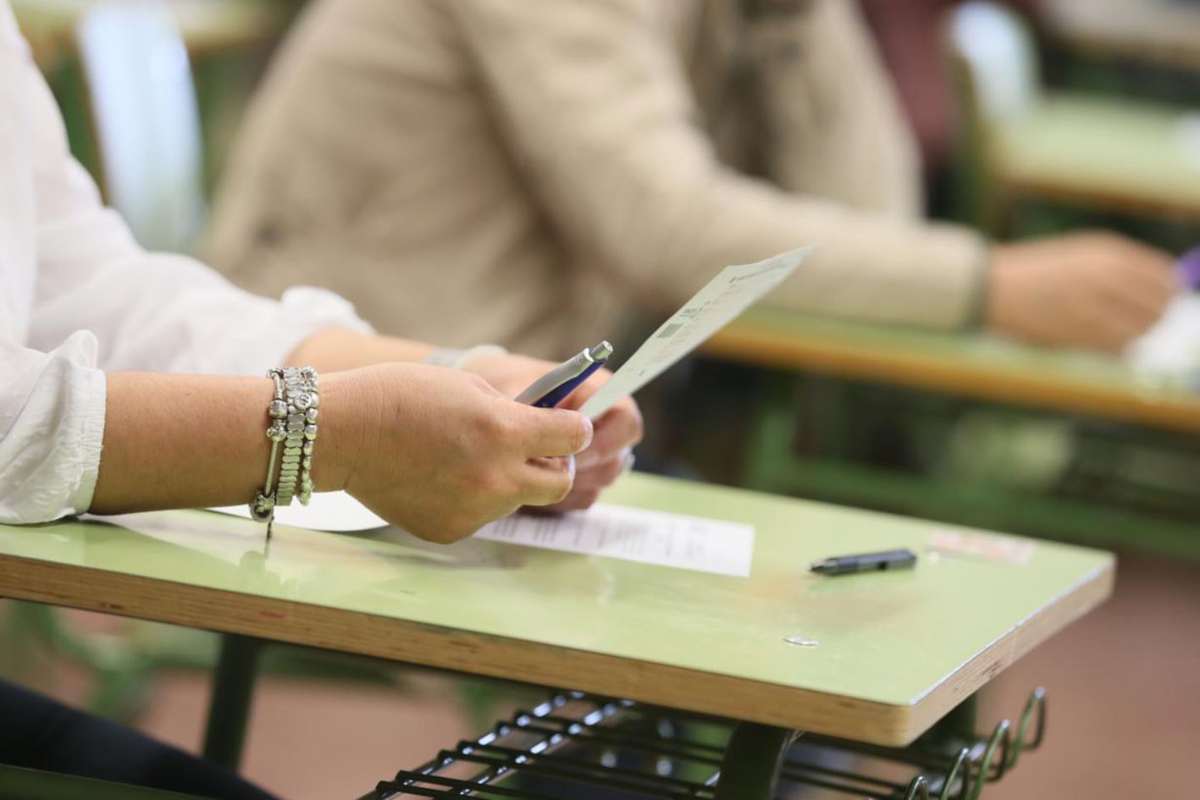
(293, 412)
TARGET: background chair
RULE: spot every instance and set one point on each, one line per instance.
(1027, 142)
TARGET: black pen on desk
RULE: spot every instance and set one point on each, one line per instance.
(865, 562)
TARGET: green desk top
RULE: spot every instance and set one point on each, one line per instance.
(1140, 155)
(896, 650)
(974, 365)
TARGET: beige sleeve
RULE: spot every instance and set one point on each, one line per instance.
(598, 115)
(831, 124)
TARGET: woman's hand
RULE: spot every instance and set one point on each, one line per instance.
(440, 452)
(616, 432)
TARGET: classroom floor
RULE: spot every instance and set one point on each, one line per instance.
(1123, 683)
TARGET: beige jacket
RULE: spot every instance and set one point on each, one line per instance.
(528, 171)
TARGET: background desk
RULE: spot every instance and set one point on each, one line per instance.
(1150, 30)
(896, 651)
(806, 433)
(207, 26)
(1134, 157)
(970, 365)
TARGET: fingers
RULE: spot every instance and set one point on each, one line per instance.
(1100, 320)
(1126, 290)
(577, 500)
(1136, 280)
(618, 429)
(601, 474)
(1120, 320)
(551, 431)
(546, 481)
(590, 482)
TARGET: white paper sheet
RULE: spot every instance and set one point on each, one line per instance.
(1171, 348)
(649, 537)
(731, 292)
(632, 534)
(336, 512)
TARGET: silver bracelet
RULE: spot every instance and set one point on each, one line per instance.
(293, 412)
(295, 468)
(262, 507)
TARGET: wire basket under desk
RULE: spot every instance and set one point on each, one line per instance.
(576, 746)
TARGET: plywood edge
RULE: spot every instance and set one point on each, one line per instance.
(1092, 590)
(495, 656)
(1091, 192)
(444, 648)
(750, 344)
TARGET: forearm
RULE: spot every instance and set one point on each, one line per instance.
(191, 441)
(340, 349)
(631, 181)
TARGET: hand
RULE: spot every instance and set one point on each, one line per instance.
(1096, 290)
(617, 431)
(440, 452)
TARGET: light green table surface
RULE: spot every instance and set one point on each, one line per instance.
(973, 365)
(1138, 156)
(896, 650)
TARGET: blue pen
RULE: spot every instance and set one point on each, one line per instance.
(553, 387)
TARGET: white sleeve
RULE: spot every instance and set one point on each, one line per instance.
(51, 429)
(99, 302)
(149, 311)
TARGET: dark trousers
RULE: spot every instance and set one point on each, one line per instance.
(39, 733)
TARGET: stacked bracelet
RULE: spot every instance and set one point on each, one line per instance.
(293, 412)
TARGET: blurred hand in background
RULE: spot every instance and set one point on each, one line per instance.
(1095, 289)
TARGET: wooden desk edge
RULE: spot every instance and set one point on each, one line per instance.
(1093, 194)
(749, 344)
(1069, 606)
(399, 640)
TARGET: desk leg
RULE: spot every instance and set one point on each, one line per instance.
(753, 758)
(229, 705)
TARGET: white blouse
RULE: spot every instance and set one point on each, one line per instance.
(78, 296)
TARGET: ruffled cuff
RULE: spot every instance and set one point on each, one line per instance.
(301, 312)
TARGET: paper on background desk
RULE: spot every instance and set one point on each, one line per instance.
(1171, 348)
(632, 534)
(731, 292)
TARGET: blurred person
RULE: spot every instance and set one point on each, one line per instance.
(528, 172)
(96, 416)
(909, 38)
